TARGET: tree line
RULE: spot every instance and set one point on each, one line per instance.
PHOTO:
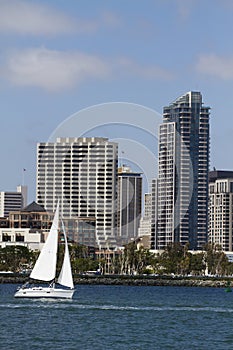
(133, 260)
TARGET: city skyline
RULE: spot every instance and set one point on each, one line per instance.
(58, 58)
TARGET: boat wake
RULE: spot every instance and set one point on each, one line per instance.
(69, 304)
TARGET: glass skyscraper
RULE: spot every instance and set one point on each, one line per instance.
(182, 212)
(129, 204)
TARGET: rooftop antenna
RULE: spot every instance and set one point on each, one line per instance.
(23, 176)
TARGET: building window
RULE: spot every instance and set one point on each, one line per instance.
(19, 238)
(231, 187)
(6, 238)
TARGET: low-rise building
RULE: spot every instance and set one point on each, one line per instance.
(31, 225)
(34, 216)
(21, 236)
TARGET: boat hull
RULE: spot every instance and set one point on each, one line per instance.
(44, 292)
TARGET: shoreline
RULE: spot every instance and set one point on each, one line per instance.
(217, 282)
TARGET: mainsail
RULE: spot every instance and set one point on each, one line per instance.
(45, 267)
(65, 278)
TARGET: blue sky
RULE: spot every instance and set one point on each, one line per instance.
(58, 57)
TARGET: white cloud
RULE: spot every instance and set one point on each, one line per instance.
(110, 19)
(57, 70)
(52, 70)
(147, 72)
(216, 66)
(185, 8)
(27, 17)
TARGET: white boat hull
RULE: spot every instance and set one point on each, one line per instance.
(44, 292)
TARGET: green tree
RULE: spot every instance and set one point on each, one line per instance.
(215, 259)
(172, 259)
(80, 265)
(197, 264)
(134, 260)
(14, 258)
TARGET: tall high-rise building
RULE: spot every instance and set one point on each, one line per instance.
(24, 190)
(154, 212)
(129, 204)
(183, 173)
(82, 174)
(221, 209)
(145, 221)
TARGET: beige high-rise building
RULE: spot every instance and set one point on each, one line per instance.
(82, 174)
(145, 221)
(221, 209)
(154, 211)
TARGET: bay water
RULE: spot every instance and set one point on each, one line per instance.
(119, 317)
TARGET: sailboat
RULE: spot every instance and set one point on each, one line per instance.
(45, 269)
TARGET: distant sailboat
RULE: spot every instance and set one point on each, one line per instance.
(45, 269)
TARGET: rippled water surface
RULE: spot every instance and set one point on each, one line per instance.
(119, 317)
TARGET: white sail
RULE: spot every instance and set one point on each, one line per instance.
(45, 267)
(65, 278)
